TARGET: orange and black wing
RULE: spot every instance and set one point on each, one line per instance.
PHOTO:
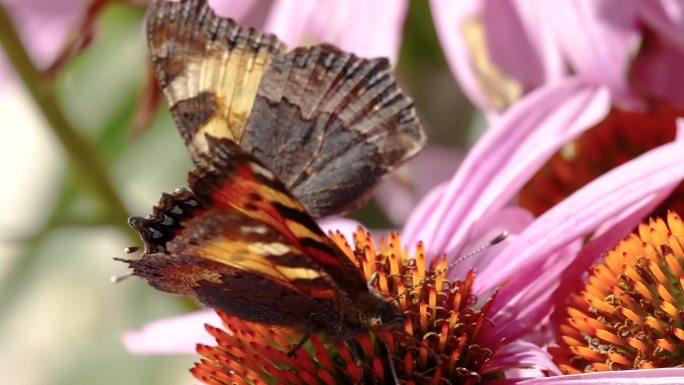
(243, 244)
(328, 123)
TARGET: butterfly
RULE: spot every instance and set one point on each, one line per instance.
(328, 123)
(277, 140)
(240, 242)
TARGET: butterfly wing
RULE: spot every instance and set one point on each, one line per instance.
(331, 124)
(243, 244)
(208, 67)
(328, 123)
(232, 179)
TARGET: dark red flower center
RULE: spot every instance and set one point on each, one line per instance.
(618, 138)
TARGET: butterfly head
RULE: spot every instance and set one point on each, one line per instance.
(381, 315)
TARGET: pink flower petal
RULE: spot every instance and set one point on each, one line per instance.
(521, 354)
(657, 71)
(252, 13)
(555, 295)
(521, 315)
(510, 219)
(516, 46)
(598, 38)
(398, 193)
(176, 335)
(450, 17)
(506, 156)
(369, 29)
(422, 211)
(289, 21)
(664, 376)
(666, 17)
(345, 225)
(534, 252)
(612, 230)
(43, 25)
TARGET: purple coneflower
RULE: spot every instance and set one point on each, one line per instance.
(500, 52)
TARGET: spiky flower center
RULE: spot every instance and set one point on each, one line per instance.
(619, 137)
(630, 314)
(437, 344)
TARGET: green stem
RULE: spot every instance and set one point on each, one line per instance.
(82, 155)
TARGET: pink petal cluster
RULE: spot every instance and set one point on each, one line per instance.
(529, 269)
(43, 26)
(633, 47)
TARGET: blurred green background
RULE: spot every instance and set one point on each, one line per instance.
(60, 317)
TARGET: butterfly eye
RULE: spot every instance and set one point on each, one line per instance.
(375, 322)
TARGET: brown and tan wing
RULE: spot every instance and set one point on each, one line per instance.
(330, 125)
(208, 67)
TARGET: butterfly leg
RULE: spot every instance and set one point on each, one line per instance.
(372, 280)
(354, 351)
(299, 344)
(314, 319)
(390, 360)
(430, 351)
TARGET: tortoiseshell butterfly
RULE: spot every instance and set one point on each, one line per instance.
(242, 243)
(277, 139)
(327, 123)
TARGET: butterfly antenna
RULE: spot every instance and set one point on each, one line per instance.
(496, 240)
(390, 361)
(372, 280)
(119, 278)
(122, 277)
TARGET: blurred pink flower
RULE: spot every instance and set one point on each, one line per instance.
(400, 191)
(499, 51)
(154, 337)
(368, 29)
(43, 26)
(502, 51)
(474, 206)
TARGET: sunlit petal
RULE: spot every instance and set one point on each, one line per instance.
(176, 335)
(504, 158)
